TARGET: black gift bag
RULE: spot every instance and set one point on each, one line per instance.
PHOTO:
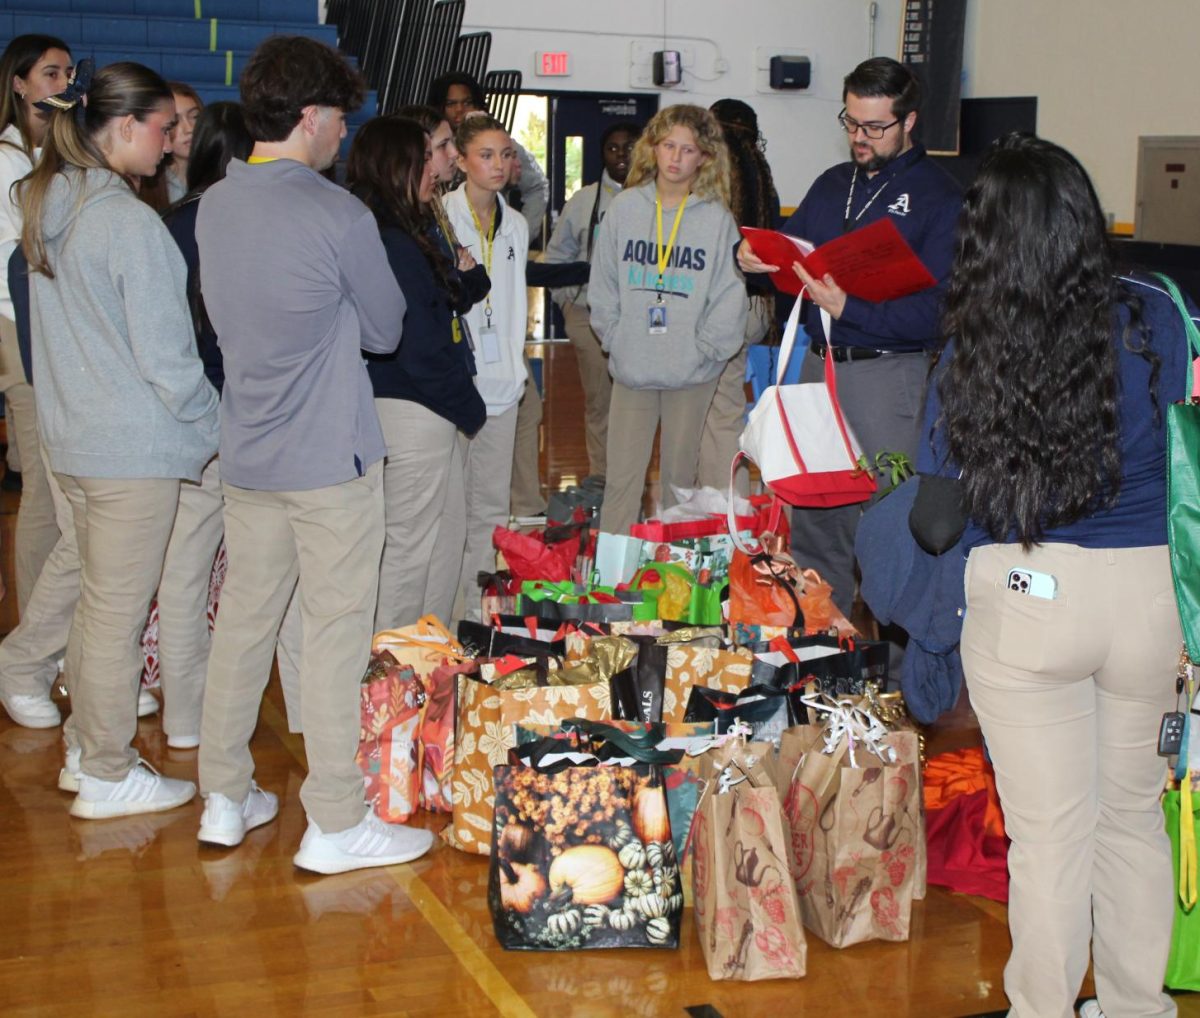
(836, 667)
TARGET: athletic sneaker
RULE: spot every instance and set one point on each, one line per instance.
(31, 711)
(142, 790)
(226, 822)
(147, 703)
(1090, 1009)
(370, 842)
(68, 777)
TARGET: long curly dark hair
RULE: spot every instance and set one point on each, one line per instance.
(384, 171)
(1030, 396)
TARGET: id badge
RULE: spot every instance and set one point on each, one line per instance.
(489, 345)
(656, 316)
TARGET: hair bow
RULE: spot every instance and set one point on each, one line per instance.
(77, 87)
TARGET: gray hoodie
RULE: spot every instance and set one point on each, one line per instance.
(121, 392)
(704, 294)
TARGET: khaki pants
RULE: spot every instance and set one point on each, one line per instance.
(596, 381)
(723, 427)
(1069, 693)
(633, 419)
(183, 637)
(416, 479)
(525, 488)
(37, 527)
(122, 527)
(325, 544)
(476, 503)
(29, 654)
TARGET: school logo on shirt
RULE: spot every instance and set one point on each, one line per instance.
(512, 255)
(900, 206)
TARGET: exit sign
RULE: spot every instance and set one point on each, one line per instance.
(547, 65)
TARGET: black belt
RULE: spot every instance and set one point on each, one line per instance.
(841, 354)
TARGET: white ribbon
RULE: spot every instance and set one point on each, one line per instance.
(726, 780)
(738, 730)
(844, 719)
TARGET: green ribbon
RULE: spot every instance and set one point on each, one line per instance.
(228, 64)
(212, 34)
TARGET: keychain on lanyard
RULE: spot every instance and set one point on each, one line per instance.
(489, 342)
(658, 310)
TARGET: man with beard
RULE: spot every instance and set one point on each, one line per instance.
(880, 348)
(572, 241)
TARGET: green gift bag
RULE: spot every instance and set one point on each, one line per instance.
(1183, 965)
(1183, 489)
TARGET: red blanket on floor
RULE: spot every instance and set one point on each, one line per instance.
(967, 847)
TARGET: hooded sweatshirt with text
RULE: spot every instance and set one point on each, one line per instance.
(702, 291)
(121, 391)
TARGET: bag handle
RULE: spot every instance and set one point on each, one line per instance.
(430, 634)
(1189, 326)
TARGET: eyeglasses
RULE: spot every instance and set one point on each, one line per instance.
(872, 131)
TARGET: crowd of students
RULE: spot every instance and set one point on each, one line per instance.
(329, 379)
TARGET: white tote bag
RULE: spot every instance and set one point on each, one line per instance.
(797, 436)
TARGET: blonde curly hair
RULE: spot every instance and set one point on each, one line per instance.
(713, 179)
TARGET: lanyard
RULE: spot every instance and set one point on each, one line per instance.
(664, 253)
(487, 245)
(846, 221)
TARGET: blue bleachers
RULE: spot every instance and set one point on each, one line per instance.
(112, 30)
(205, 43)
(298, 11)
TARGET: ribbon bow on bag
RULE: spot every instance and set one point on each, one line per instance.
(844, 720)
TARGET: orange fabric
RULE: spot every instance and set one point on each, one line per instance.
(963, 772)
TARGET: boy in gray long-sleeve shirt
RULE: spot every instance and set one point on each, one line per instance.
(296, 280)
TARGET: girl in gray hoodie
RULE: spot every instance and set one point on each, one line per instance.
(124, 408)
(668, 304)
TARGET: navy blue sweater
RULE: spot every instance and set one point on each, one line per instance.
(1139, 516)
(429, 368)
(180, 220)
(923, 201)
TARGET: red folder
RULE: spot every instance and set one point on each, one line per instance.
(873, 263)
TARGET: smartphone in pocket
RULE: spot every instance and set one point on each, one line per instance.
(1033, 583)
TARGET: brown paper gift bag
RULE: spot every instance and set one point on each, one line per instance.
(747, 914)
(856, 837)
(487, 720)
(691, 665)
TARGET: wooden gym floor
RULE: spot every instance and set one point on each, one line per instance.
(132, 917)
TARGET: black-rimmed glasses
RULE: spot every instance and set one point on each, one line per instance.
(872, 131)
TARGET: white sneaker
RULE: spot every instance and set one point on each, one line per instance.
(183, 741)
(69, 776)
(142, 790)
(370, 842)
(147, 703)
(226, 822)
(31, 711)
(1090, 1009)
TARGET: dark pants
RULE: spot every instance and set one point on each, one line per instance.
(882, 403)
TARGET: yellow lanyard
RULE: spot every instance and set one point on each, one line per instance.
(447, 231)
(487, 245)
(1187, 822)
(664, 253)
(259, 160)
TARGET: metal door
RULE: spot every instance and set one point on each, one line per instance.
(1168, 190)
(575, 124)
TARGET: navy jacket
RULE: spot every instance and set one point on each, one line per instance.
(18, 288)
(180, 220)
(924, 201)
(919, 592)
(429, 368)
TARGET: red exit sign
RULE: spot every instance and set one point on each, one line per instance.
(549, 65)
